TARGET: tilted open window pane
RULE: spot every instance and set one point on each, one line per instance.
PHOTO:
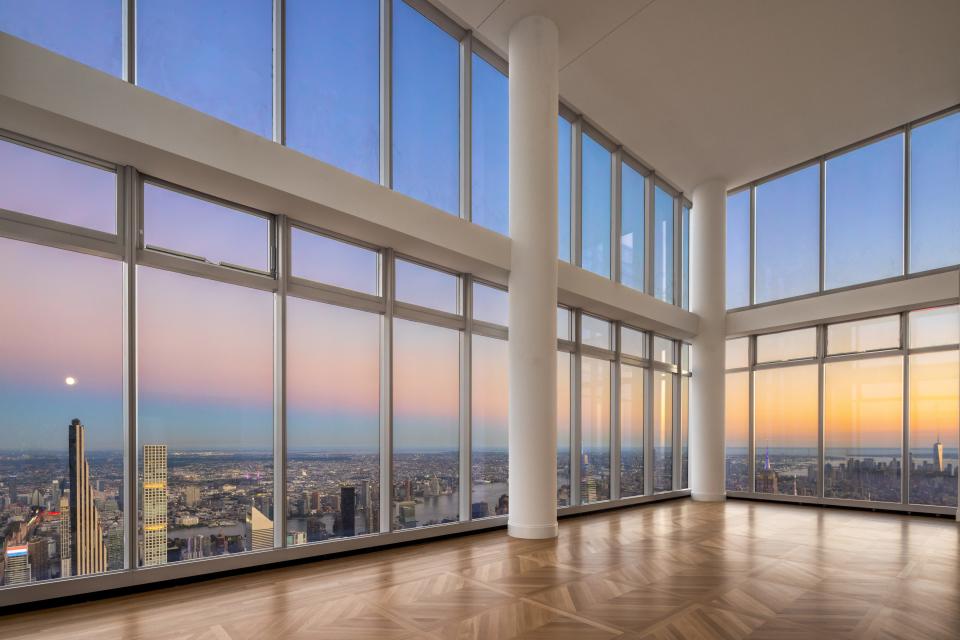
(427, 287)
(872, 334)
(488, 147)
(426, 425)
(597, 181)
(50, 186)
(788, 235)
(333, 422)
(632, 384)
(216, 57)
(786, 410)
(595, 332)
(564, 320)
(663, 350)
(61, 414)
(633, 342)
(864, 214)
(489, 428)
(90, 32)
(490, 304)
(329, 261)
(632, 227)
(204, 229)
(205, 417)
(787, 345)
(738, 249)
(426, 110)
(332, 70)
(563, 428)
(737, 353)
(663, 227)
(863, 429)
(934, 327)
(595, 430)
(737, 430)
(934, 419)
(935, 194)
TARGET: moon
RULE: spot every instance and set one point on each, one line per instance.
(70, 381)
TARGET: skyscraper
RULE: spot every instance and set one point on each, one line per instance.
(938, 455)
(191, 495)
(87, 551)
(154, 504)
(261, 530)
(348, 502)
(66, 558)
(17, 567)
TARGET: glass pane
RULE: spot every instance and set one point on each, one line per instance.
(426, 110)
(563, 323)
(864, 335)
(685, 357)
(330, 261)
(786, 415)
(48, 186)
(62, 362)
(426, 425)
(427, 287)
(333, 422)
(862, 426)
(564, 153)
(736, 427)
(563, 429)
(205, 229)
(631, 430)
(205, 417)
(684, 432)
(595, 332)
(788, 235)
(216, 57)
(488, 147)
(632, 227)
(864, 214)
(934, 327)
(597, 177)
(934, 419)
(738, 353)
(490, 304)
(333, 83)
(662, 431)
(935, 194)
(489, 427)
(738, 249)
(663, 245)
(787, 345)
(685, 257)
(633, 342)
(663, 350)
(90, 32)
(595, 430)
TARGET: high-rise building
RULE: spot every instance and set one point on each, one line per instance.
(38, 554)
(348, 512)
(66, 559)
(261, 530)
(191, 495)
(87, 550)
(17, 566)
(154, 504)
(938, 455)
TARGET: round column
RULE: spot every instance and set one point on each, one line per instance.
(708, 300)
(534, 99)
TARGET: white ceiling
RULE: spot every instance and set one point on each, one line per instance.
(738, 89)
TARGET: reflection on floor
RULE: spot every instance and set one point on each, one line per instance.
(673, 570)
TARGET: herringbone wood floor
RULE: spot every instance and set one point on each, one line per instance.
(673, 570)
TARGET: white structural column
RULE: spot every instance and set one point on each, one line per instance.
(707, 300)
(534, 98)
